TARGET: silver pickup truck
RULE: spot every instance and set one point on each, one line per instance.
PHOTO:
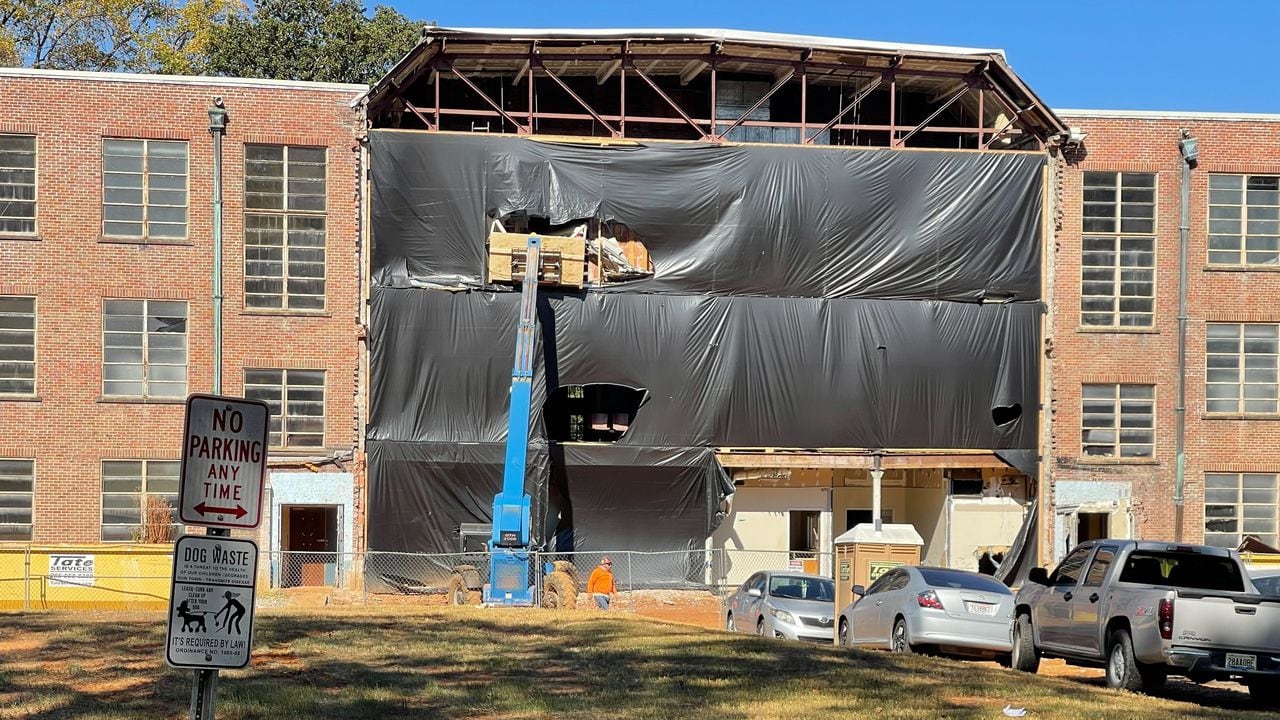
(1145, 610)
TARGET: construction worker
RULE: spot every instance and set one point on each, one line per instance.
(600, 585)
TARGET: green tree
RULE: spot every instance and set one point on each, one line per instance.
(322, 40)
(126, 35)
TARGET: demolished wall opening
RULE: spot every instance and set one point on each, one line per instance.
(595, 412)
(609, 251)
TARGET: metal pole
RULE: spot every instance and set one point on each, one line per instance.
(204, 689)
(217, 128)
(877, 476)
(1187, 148)
(26, 585)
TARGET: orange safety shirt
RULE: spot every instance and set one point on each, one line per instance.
(601, 581)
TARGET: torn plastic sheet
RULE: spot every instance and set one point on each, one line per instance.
(720, 371)
(1023, 554)
(589, 497)
(726, 220)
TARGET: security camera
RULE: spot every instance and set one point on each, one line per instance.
(217, 101)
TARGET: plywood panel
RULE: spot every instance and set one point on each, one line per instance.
(572, 256)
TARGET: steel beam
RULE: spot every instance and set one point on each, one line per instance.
(421, 116)
(763, 99)
(613, 132)
(937, 111)
(520, 129)
(674, 106)
(862, 94)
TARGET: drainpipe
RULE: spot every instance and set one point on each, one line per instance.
(1186, 148)
(217, 128)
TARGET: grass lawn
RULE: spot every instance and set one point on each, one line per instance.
(478, 663)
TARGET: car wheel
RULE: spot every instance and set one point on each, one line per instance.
(1122, 667)
(843, 633)
(900, 643)
(1024, 657)
(728, 622)
(760, 626)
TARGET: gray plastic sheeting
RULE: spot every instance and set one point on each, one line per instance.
(802, 298)
(732, 220)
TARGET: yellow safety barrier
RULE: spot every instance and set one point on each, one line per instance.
(84, 577)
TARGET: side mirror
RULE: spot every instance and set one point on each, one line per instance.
(1039, 576)
(755, 592)
(859, 591)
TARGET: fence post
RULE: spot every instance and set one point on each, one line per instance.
(631, 584)
(26, 580)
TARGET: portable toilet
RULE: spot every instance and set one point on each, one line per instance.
(863, 554)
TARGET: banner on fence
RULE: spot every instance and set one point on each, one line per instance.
(71, 570)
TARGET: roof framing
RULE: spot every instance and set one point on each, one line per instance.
(1002, 111)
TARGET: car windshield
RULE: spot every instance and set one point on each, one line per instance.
(1182, 569)
(961, 580)
(802, 588)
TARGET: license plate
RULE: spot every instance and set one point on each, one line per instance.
(976, 608)
(1239, 661)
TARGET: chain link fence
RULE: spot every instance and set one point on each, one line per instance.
(137, 577)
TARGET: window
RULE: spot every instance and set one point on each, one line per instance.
(1118, 421)
(1239, 504)
(1068, 573)
(1117, 276)
(144, 189)
(296, 399)
(130, 491)
(17, 184)
(1244, 220)
(17, 487)
(1240, 368)
(597, 412)
(17, 345)
(1183, 569)
(962, 580)
(144, 348)
(284, 227)
(1098, 568)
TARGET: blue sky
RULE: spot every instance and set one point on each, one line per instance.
(1219, 55)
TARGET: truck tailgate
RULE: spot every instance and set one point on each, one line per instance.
(1228, 621)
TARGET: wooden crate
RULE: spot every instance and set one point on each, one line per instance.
(572, 256)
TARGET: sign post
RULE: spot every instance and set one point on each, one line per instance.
(224, 463)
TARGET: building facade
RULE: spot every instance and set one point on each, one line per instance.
(106, 296)
(1115, 337)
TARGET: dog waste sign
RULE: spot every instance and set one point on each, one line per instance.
(224, 461)
(211, 603)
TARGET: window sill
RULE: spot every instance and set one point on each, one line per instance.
(1095, 329)
(1240, 416)
(1242, 268)
(21, 398)
(288, 313)
(144, 241)
(1116, 461)
(142, 401)
(21, 238)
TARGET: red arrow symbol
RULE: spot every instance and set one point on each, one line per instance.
(238, 511)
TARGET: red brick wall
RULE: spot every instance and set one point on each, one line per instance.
(1150, 145)
(69, 430)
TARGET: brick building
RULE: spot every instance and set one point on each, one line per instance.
(106, 259)
(1115, 329)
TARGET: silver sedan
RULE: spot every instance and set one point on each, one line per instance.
(785, 605)
(911, 608)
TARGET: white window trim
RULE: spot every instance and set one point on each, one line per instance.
(1240, 384)
(146, 202)
(284, 214)
(1117, 235)
(1244, 234)
(284, 405)
(1117, 403)
(35, 350)
(32, 494)
(141, 496)
(35, 221)
(146, 345)
(1239, 506)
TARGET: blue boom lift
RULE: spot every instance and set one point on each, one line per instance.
(510, 579)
